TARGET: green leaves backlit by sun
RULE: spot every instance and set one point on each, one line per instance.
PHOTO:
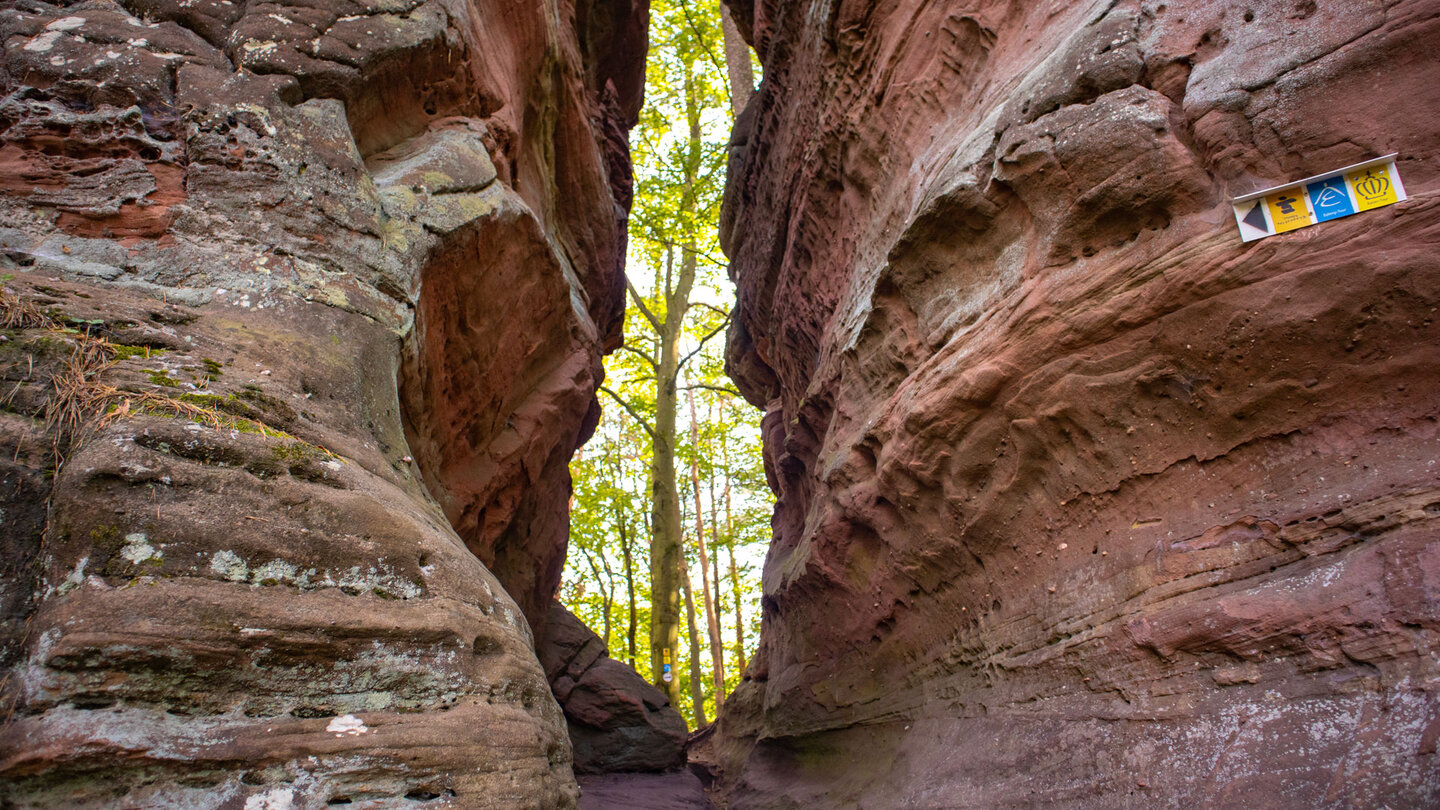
(676, 439)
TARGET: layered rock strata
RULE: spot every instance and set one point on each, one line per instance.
(619, 722)
(276, 274)
(1082, 501)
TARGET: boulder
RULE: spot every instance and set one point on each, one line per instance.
(618, 721)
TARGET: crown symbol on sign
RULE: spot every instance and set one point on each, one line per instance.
(1372, 185)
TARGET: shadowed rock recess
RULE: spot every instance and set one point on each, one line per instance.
(1082, 501)
(311, 298)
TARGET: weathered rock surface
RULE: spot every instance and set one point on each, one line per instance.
(332, 260)
(1082, 501)
(618, 721)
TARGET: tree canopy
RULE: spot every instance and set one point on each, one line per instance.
(670, 513)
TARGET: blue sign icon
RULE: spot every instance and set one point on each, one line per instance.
(1329, 198)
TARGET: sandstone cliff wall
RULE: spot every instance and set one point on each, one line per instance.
(1082, 501)
(310, 298)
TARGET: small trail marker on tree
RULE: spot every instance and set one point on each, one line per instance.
(1372, 184)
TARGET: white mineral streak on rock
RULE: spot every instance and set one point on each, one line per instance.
(43, 42)
(277, 799)
(347, 724)
(66, 24)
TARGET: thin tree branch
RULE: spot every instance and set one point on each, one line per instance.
(705, 46)
(637, 417)
(724, 313)
(642, 228)
(713, 332)
(639, 304)
(654, 234)
(717, 388)
(666, 292)
(642, 355)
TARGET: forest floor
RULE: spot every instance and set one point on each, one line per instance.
(643, 791)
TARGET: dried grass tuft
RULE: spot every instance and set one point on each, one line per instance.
(80, 403)
(72, 398)
(17, 313)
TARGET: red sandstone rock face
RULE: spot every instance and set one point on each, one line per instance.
(1081, 500)
(392, 231)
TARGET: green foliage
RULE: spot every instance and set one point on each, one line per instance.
(608, 514)
(678, 304)
(679, 147)
(610, 507)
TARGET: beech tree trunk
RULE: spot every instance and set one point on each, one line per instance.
(665, 557)
(697, 682)
(737, 63)
(629, 561)
(716, 530)
(665, 560)
(712, 620)
(734, 571)
(739, 616)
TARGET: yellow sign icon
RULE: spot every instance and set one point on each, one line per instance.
(1288, 209)
(1372, 187)
(665, 656)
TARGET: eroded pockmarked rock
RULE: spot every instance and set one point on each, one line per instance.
(1081, 500)
(310, 300)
